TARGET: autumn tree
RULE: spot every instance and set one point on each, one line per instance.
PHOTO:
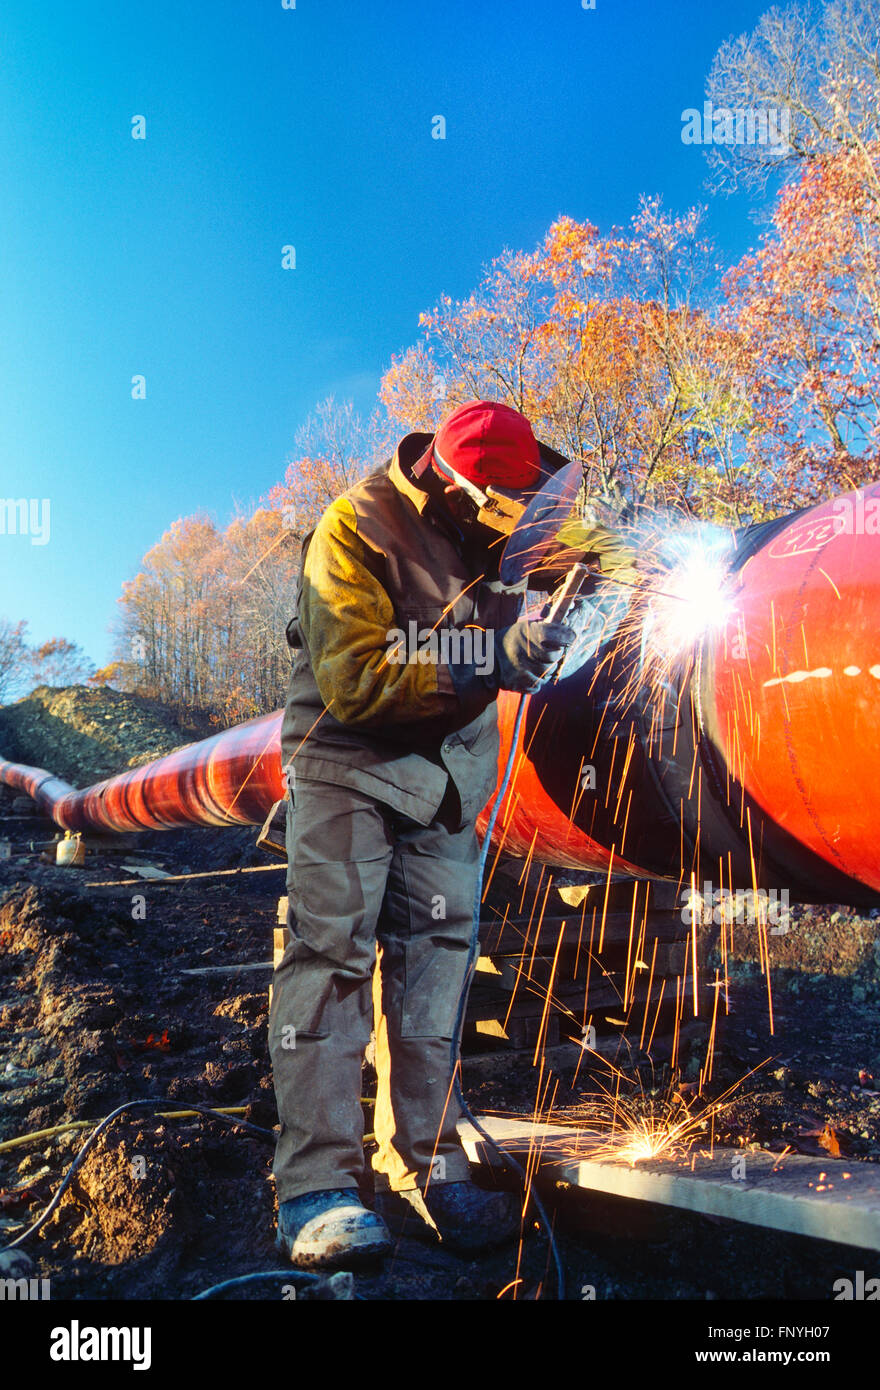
(333, 449)
(59, 662)
(14, 657)
(262, 565)
(202, 626)
(107, 676)
(605, 343)
(414, 391)
(806, 307)
(169, 620)
(820, 65)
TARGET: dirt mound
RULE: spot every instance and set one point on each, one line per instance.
(57, 1005)
(90, 1006)
(84, 735)
(96, 1008)
(122, 1199)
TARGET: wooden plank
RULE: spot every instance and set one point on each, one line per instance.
(280, 939)
(230, 969)
(825, 1198)
(510, 937)
(495, 1003)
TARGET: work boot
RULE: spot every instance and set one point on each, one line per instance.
(323, 1230)
(459, 1215)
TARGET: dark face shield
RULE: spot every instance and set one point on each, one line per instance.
(502, 509)
(498, 508)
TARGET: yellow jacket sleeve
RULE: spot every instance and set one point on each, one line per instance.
(345, 617)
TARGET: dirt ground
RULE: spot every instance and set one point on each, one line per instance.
(97, 1008)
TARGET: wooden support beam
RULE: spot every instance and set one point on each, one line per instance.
(825, 1198)
(186, 878)
(229, 969)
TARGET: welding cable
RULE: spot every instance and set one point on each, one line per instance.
(455, 1050)
(288, 1276)
(149, 1105)
(296, 1277)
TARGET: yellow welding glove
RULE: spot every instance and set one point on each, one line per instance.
(593, 528)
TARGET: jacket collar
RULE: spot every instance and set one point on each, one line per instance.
(400, 470)
(406, 455)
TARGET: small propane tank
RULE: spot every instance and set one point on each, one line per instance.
(71, 851)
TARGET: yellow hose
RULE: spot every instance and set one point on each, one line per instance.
(162, 1114)
(90, 1124)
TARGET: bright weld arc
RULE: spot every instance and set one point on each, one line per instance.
(699, 584)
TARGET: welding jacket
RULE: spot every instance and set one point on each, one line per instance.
(363, 709)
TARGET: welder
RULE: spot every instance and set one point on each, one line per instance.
(392, 752)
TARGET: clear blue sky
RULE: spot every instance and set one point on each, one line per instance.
(267, 126)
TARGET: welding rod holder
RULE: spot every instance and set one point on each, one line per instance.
(571, 587)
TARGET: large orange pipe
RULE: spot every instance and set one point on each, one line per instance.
(232, 778)
(792, 687)
(760, 769)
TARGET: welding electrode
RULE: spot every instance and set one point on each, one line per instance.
(572, 586)
(630, 583)
(575, 581)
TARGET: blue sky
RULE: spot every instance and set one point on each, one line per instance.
(264, 127)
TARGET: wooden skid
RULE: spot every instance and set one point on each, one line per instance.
(514, 935)
(827, 1199)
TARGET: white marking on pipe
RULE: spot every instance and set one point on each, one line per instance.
(795, 677)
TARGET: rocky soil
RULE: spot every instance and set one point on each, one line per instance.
(83, 734)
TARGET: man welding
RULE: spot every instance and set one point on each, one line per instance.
(394, 753)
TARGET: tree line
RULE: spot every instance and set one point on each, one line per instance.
(730, 395)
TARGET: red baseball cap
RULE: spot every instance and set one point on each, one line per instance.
(489, 444)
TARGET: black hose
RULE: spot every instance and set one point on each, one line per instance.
(154, 1105)
(455, 1050)
(289, 1276)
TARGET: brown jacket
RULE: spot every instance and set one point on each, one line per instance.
(384, 556)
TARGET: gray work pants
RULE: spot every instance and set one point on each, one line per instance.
(362, 875)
